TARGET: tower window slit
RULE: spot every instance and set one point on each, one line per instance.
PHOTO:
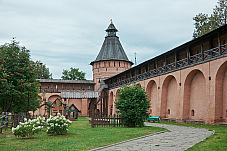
(168, 111)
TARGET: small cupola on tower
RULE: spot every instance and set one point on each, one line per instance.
(112, 58)
(111, 30)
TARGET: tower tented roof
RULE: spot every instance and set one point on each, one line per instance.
(111, 48)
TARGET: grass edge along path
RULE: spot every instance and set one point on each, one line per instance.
(215, 142)
(79, 137)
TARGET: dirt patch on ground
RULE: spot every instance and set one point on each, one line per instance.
(148, 131)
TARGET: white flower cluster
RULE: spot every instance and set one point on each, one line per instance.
(57, 124)
(29, 127)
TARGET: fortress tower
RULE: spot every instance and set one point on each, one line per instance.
(111, 59)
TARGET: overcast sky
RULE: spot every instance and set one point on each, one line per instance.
(70, 33)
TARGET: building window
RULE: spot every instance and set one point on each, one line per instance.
(56, 86)
(119, 64)
(89, 87)
(114, 63)
(168, 111)
(226, 113)
(192, 113)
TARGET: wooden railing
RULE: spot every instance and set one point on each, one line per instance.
(193, 60)
(111, 120)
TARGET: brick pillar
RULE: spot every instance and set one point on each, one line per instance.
(84, 108)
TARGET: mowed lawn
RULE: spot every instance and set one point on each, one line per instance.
(216, 142)
(79, 137)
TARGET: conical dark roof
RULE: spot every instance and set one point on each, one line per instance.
(111, 48)
(111, 28)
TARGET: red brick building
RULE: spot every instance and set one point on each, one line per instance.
(187, 83)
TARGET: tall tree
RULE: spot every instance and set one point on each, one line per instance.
(42, 71)
(205, 23)
(73, 74)
(18, 84)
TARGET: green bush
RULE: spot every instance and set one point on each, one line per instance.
(133, 105)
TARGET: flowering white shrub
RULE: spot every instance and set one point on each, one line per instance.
(29, 127)
(57, 124)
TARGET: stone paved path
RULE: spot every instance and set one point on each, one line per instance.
(179, 138)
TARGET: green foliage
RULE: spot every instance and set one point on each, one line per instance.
(18, 84)
(42, 71)
(73, 74)
(133, 104)
(205, 23)
(57, 125)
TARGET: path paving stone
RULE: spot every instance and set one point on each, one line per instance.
(178, 139)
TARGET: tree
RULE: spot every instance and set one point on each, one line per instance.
(18, 84)
(205, 23)
(42, 71)
(133, 105)
(73, 74)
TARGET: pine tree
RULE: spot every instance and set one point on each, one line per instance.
(18, 84)
(205, 23)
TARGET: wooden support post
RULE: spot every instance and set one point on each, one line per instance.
(6, 121)
(211, 46)
(219, 43)
(202, 52)
(114, 120)
(156, 65)
(2, 122)
(11, 119)
(148, 66)
(92, 113)
(165, 64)
(101, 104)
(15, 121)
(188, 55)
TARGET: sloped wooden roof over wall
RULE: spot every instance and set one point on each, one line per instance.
(79, 94)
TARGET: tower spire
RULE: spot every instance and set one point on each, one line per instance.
(111, 48)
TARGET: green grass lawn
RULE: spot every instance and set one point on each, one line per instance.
(81, 118)
(216, 142)
(79, 137)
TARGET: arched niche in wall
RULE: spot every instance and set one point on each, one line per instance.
(169, 98)
(152, 92)
(195, 96)
(221, 94)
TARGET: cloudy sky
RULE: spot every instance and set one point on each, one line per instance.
(70, 33)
